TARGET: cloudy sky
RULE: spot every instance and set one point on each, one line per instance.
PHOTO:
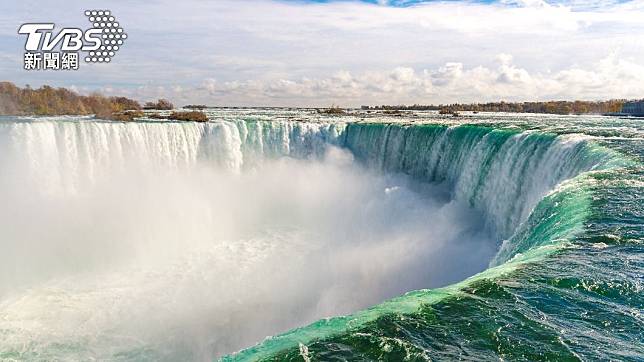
(300, 53)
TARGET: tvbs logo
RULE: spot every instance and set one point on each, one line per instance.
(49, 50)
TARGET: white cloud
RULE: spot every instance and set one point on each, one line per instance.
(449, 83)
(288, 53)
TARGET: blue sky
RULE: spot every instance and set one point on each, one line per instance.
(574, 4)
(269, 52)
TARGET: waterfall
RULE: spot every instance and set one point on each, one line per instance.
(144, 214)
(503, 173)
(59, 156)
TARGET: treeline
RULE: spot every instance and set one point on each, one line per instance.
(550, 107)
(161, 104)
(51, 101)
(47, 100)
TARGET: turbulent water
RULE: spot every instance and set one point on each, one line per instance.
(156, 240)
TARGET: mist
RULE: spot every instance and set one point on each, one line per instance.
(195, 262)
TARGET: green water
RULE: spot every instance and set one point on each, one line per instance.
(563, 196)
(567, 282)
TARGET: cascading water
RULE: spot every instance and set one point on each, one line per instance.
(161, 240)
(505, 173)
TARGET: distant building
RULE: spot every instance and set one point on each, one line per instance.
(634, 108)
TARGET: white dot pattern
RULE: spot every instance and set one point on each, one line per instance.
(112, 35)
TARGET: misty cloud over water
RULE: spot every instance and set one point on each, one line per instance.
(197, 255)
